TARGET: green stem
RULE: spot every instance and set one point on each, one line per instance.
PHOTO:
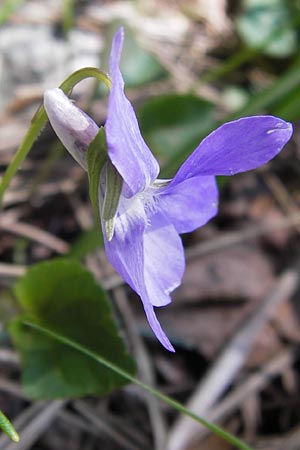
(8, 429)
(40, 119)
(268, 97)
(176, 405)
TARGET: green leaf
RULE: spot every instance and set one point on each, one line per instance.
(268, 25)
(62, 295)
(96, 158)
(173, 124)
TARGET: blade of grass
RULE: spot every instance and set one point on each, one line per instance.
(173, 403)
(8, 429)
(271, 95)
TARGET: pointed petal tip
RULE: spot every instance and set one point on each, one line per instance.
(156, 326)
(116, 49)
(171, 348)
(127, 149)
(287, 128)
(166, 343)
(279, 133)
(238, 146)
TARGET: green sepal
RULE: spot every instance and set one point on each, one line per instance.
(114, 183)
(96, 158)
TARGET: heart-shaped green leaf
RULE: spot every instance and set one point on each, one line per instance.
(62, 295)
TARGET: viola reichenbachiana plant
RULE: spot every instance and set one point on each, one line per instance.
(142, 215)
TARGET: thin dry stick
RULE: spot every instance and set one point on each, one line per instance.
(36, 234)
(119, 438)
(71, 419)
(9, 357)
(289, 441)
(237, 237)
(74, 421)
(38, 418)
(122, 424)
(145, 369)
(219, 243)
(46, 190)
(82, 212)
(13, 271)
(252, 384)
(12, 388)
(281, 194)
(225, 368)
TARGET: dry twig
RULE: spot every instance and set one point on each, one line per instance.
(32, 423)
(145, 369)
(225, 368)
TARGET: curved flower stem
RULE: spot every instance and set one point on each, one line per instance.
(40, 119)
(173, 403)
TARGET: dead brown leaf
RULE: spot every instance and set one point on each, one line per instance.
(218, 293)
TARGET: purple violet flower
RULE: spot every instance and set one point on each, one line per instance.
(145, 247)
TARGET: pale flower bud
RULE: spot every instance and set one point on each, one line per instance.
(74, 127)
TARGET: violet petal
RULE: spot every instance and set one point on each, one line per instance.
(126, 252)
(126, 148)
(190, 203)
(237, 146)
(164, 262)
